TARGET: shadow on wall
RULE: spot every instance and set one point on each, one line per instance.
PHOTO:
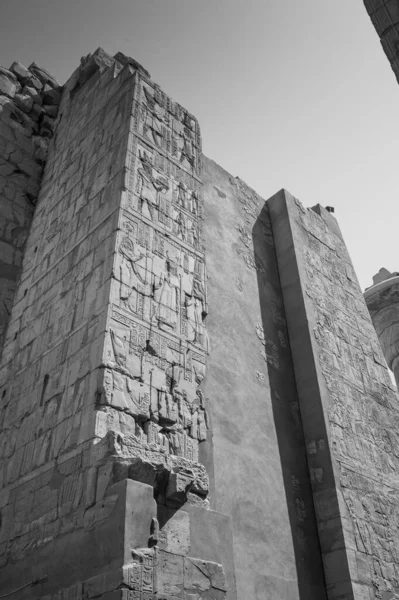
(287, 419)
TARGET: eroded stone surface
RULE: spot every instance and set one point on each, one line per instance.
(24, 139)
(105, 353)
(347, 401)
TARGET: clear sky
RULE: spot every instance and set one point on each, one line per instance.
(289, 93)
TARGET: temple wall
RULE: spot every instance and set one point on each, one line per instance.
(56, 333)
(348, 404)
(260, 471)
(193, 400)
(103, 414)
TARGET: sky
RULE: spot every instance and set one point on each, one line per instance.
(295, 93)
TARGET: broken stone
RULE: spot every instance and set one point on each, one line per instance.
(179, 485)
(52, 111)
(21, 72)
(8, 83)
(48, 122)
(36, 111)
(35, 83)
(41, 148)
(43, 75)
(24, 102)
(127, 60)
(33, 93)
(51, 96)
(203, 575)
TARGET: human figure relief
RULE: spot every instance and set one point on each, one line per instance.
(186, 152)
(153, 118)
(134, 274)
(181, 195)
(166, 297)
(149, 185)
(181, 227)
(196, 310)
(194, 203)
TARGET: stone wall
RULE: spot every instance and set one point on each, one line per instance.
(29, 100)
(384, 15)
(348, 404)
(260, 472)
(55, 337)
(102, 406)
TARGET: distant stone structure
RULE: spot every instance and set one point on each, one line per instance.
(194, 401)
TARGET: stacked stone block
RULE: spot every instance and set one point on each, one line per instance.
(29, 100)
(102, 408)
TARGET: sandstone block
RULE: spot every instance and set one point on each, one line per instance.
(43, 75)
(178, 486)
(33, 93)
(8, 83)
(24, 102)
(50, 110)
(35, 83)
(20, 71)
(36, 111)
(51, 96)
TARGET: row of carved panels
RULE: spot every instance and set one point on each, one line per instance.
(163, 166)
(157, 105)
(131, 338)
(172, 409)
(165, 287)
(162, 191)
(177, 137)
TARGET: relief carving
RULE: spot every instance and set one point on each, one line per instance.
(157, 340)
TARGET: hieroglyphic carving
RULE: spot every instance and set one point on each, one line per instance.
(362, 407)
(157, 341)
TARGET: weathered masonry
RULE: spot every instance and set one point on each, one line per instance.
(194, 402)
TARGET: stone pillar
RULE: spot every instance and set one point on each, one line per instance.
(347, 404)
(382, 300)
(103, 415)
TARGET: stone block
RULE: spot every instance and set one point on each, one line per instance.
(170, 575)
(179, 484)
(21, 72)
(33, 93)
(43, 75)
(24, 102)
(51, 96)
(8, 83)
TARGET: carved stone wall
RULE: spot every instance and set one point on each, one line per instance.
(258, 452)
(57, 326)
(29, 100)
(348, 404)
(102, 407)
(156, 341)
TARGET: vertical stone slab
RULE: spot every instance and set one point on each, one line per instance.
(260, 473)
(347, 403)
